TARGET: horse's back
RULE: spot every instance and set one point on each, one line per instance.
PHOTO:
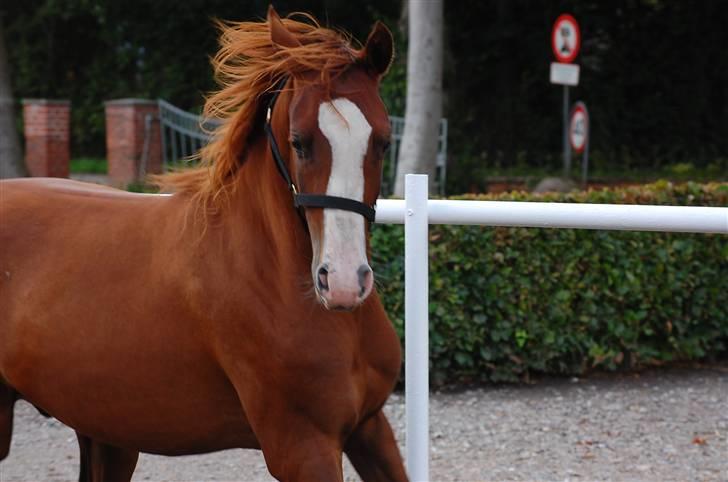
(31, 210)
(48, 185)
(47, 225)
(28, 198)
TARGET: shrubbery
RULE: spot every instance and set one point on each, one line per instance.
(505, 302)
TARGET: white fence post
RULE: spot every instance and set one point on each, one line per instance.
(417, 387)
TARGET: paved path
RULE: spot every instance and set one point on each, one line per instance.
(657, 426)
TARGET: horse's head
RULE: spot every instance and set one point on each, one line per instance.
(337, 132)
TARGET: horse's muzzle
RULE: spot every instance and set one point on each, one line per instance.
(343, 289)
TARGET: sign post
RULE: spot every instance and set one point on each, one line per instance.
(565, 43)
(579, 137)
(567, 150)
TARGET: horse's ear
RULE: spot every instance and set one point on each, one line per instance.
(279, 34)
(379, 50)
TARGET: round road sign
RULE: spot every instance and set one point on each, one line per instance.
(578, 127)
(566, 38)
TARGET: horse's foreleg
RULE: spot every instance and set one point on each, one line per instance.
(373, 451)
(7, 402)
(297, 451)
(104, 463)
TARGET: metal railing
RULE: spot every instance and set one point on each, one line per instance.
(183, 134)
(441, 162)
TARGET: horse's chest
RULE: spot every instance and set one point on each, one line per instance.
(381, 371)
(372, 368)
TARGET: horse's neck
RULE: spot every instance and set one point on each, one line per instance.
(262, 212)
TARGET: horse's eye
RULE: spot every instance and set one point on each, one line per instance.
(299, 146)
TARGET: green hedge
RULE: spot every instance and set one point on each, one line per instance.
(507, 302)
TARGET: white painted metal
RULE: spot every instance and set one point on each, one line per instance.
(622, 217)
(417, 388)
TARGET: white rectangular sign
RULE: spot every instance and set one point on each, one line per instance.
(564, 74)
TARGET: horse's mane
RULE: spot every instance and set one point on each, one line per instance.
(246, 67)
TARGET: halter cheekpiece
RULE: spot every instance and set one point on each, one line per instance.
(302, 200)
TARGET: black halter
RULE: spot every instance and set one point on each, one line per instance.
(300, 200)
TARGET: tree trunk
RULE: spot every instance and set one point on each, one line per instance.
(418, 152)
(11, 157)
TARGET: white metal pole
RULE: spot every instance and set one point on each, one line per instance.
(416, 327)
(567, 145)
(585, 156)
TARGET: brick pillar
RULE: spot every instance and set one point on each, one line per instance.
(47, 137)
(126, 128)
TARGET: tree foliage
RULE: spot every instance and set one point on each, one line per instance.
(654, 72)
(654, 76)
(90, 51)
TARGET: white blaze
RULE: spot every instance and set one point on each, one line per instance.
(347, 130)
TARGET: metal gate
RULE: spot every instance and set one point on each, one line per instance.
(184, 133)
(391, 169)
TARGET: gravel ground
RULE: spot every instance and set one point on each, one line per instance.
(656, 426)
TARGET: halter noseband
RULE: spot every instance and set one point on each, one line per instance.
(301, 200)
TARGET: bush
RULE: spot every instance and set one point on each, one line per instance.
(506, 302)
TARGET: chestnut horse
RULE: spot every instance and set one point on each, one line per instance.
(221, 316)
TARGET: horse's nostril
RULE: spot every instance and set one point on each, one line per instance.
(365, 273)
(323, 278)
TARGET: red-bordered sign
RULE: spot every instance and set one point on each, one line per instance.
(565, 38)
(578, 127)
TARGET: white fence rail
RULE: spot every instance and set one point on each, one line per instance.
(416, 212)
(620, 217)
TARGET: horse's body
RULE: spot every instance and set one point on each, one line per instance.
(94, 280)
(148, 328)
